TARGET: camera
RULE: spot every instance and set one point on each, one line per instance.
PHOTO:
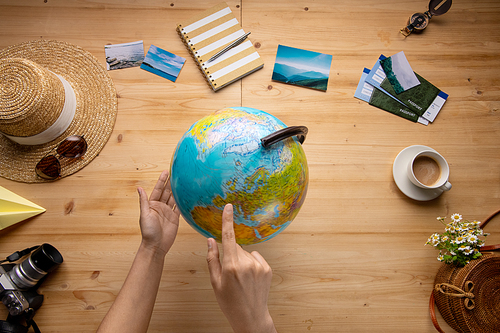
(19, 283)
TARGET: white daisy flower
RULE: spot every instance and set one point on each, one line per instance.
(472, 239)
(460, 239)
(440, 257)
(468, 251)
(456, 217)
(434, 239)
(463, 247)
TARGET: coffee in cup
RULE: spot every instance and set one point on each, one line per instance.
(429, 170)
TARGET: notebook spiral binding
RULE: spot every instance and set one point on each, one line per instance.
(185, 38)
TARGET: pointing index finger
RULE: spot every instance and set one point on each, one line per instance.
(228, 238)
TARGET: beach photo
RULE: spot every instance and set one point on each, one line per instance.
(163, 63)
(302, 67)
(124, 55)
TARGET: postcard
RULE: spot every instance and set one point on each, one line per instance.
(302, 67)
(399, 72)
(163, 63)
(124, 55)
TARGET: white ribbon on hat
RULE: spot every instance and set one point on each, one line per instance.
(59, 126)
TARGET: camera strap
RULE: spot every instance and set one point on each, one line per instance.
(19, 254)
(7, 327)
(15, 326)
(34, 325)
(12, 325)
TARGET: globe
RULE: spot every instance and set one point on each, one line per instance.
(245, 157)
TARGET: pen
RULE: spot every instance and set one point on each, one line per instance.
(230, 46)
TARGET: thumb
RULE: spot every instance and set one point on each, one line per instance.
(143, 200)
(214, 266)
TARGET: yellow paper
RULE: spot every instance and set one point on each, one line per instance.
(14, 208)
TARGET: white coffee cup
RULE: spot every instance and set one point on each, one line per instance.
(429, 170)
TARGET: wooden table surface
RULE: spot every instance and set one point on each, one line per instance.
(354, 259)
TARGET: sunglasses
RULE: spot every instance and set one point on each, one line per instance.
(49, 167)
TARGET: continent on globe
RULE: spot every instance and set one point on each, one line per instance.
(221, 160)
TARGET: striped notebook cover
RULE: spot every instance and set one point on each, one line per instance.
(211, 31)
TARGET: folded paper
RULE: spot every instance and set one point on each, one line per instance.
(14, 208)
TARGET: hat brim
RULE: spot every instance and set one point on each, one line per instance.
(95, 114)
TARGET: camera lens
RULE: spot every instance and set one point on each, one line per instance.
(42, 261)
(46, 258)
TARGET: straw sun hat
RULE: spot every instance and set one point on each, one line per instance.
(51, 90)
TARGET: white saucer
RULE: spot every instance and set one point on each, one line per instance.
(399, 172)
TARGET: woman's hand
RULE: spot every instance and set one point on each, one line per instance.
(159, 218)
(241, 283)
(159, 221)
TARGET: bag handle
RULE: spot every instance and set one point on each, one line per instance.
(432, 310)
(488, 219)
(432, 302)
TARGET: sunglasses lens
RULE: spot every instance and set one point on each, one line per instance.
(48, 168)
(72, 147)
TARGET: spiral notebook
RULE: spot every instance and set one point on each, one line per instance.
(211, 31)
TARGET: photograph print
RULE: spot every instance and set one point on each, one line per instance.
(399, 72)
(124, 55)
(163, 63)
(302, 67)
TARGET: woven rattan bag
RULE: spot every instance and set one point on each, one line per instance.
(468, 297)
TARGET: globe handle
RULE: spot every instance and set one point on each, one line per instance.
(299, 131)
